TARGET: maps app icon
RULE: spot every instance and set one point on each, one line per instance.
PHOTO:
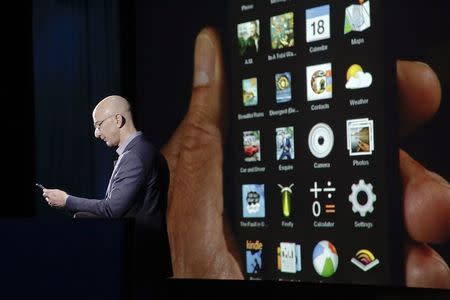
(357, 17)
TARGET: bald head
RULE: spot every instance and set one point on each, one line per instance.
(112, 105)
(114, 116)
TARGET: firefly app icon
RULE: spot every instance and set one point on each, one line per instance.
(286, 196)
(365, 260)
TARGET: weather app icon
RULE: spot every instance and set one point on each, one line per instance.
(357, 78)
(357, 17)
(365, 260)
(325, 258)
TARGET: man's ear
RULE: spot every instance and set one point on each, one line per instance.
(120, 120)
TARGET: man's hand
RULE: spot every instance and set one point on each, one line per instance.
(55, 198)
(200, 237)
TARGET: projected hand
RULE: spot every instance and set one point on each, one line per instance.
(201, 241)
(426, 195)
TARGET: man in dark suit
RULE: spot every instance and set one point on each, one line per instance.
(138, 188)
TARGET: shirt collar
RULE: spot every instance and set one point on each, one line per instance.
(122, 147)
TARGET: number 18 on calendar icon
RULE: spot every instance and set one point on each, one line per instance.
(318, 23)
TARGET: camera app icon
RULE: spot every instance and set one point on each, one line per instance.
(321, 140)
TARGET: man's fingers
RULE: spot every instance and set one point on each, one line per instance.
(206, 109)
(171, 152)
(197, 199)
(200, 134)
(420, 94)
(425, 268)
(426, 200)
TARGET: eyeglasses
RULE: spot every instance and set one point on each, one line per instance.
(98, 124)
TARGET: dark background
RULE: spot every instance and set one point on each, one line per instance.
(72, 53)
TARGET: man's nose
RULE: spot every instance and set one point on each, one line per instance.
(96, 133)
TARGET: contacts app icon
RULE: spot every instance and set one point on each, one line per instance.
(319, 82)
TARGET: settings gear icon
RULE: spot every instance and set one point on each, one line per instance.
(362, 208)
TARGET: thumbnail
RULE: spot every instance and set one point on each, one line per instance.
(283, 87)
(248, 38)
(253, 255)
(289, 257)
(250, 91)
(282, 31)
(253, 201)
(285, 143)
(252, 148)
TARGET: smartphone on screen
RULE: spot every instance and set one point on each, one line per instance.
(312, 172)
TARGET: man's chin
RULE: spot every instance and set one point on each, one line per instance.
(110, 145)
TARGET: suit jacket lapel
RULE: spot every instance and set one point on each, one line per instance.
(117, 163)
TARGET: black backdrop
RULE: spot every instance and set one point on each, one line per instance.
(76, 63)
(53, 75)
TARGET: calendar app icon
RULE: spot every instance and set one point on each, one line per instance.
(318, 23)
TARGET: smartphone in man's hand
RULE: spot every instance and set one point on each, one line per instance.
(40, 186)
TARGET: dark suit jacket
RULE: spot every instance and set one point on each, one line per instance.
(138, 188)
